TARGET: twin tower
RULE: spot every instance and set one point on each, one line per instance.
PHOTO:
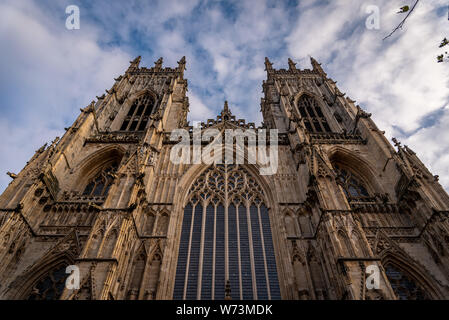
(345, 216)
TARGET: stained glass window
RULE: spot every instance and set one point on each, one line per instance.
(226, 236)
(100, 184)
(352, 186)
(403, 285)
(51, 286)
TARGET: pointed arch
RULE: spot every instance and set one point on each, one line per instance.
(345, 244)
(100, 165)
(141, 106)
(137, 272)
(109, 243)
(355, 174)
(316, 273)
(291, 226)
(154, 272)
(150, 218)
(45, 280)
(359, 245)
(229, 204)
(304, 221)
(162, 223)
(408, 280)
(94, 243)
(312, 114)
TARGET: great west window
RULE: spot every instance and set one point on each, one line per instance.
(226, 236)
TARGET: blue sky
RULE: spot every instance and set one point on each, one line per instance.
(48, 72)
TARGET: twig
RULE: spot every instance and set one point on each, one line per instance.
(403, 21)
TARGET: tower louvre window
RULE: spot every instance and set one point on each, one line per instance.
(138, 114)
(226, 236)
(313, 117)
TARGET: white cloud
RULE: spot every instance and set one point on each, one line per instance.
(398, 79)
(48, 72)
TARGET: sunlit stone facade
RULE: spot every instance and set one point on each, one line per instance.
(107, 199)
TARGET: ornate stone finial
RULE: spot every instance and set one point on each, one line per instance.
(268, 65)
(314, 62)
(410, 151)
(396, 143)
(12, 175)
(226, 107)
(41, 149)
(134, 64)
(182, 65)
(55, 141)
(291, 65)
(317, 67)
(136, 61)
(158, 63)
(228, 291)
(182, 61)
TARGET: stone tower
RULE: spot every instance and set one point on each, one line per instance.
(345, 216)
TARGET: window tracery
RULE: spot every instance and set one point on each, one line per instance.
(138, 114)
(99, 186)
(227, 205)
(403, 285)
(51, 286)
(352, 186)
(312, 115)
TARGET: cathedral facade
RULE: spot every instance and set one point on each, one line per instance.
(346, 215)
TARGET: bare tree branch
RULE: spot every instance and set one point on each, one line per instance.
(403, 21)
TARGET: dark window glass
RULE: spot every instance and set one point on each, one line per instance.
(245, 260)
(192, 280)
(206, 282)
(312, 113)
(138, 113)
(204, 242)
(182, 255)
(234, 277)
(220, 255)
(269, 251)
(403, 285)
(133, 125)
(50, 287)
(308, 126)
(140, 110)
(317, 126)
(124, 125)
(352, 186)
(100, 184)
(132, 109)
(259, 266)
(142, 125)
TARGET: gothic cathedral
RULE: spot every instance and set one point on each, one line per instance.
(345, 216)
